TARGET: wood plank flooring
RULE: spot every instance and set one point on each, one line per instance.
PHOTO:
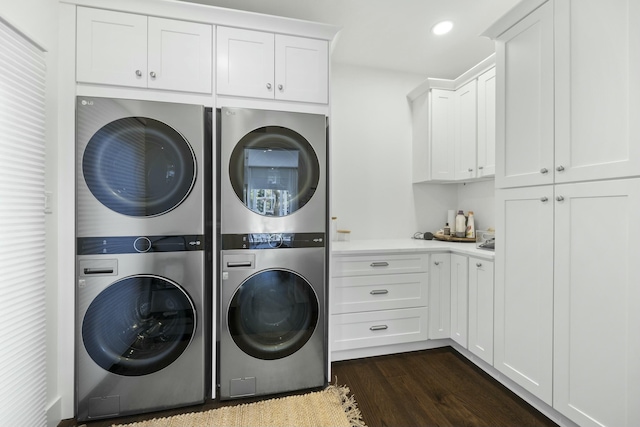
(425, 388)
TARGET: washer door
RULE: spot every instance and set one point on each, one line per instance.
(273, 314)
(138, 325)
(274, 171)
(139, 167)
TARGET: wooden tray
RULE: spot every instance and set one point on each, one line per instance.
(454, 239)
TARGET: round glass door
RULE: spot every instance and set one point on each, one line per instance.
(274, 171)
(273, 314)
(138, 325)
(139, 167)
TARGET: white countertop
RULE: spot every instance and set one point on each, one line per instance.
(408, 245)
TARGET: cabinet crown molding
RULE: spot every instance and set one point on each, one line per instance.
(512, 17)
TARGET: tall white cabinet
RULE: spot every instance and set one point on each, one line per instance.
(568, 162)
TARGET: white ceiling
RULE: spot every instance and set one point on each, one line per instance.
(395, 34)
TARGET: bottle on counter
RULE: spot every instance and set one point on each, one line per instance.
(447, 229)
(471, 227)
(461, 224)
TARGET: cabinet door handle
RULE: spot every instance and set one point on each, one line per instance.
(436, 262)
(269, 86)
(379, 292)
(153, 74)
(478, 264)
(560, 198)
(544, 199)
(470, 170)
(138, 73)
(379, 264)
(560, 168)
(544, 171)
(480, 167)
(280, 88)
(378, 328)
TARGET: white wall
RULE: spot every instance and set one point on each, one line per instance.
(38, 20)
(478, 197)
(372, 190)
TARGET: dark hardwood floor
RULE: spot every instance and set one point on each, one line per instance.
(425, 388)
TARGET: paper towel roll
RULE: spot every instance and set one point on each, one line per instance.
(451, 219)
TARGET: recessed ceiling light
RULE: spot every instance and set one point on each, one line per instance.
(442, 28)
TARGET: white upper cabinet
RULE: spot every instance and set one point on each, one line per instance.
(597, 89)
(487, 124)
(524, 91)
(442, 135)
(125, 49)
(466, 106)
(263, 65)
(570, 96)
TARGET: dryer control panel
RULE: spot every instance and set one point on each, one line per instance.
(272, 240)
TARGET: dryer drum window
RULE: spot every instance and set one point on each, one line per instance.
(273, 314)
(139, 167)
(138, 325)
(274, 171)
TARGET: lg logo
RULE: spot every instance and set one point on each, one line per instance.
(85, 102)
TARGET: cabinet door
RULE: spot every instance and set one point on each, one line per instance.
(245, 63)
(523, 341)
(597, 295)
(442, 135)
(487, 124)
(179, 55)
(111, 47)
(466, 105)
(597, 89)
(524, 101)
(481, 308)
(302, 69)
(459, 285)
(439, 296)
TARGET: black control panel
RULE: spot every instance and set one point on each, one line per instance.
(139, 244)
(272, 240)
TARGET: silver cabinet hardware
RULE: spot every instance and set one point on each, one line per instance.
(544, 171)
(379, 292)
(138, 73)
(379, 264)
(153, 74)
(470, 170)
(560, 198)
(544, 199)
(480, 167)
(436, 262)
(478, 264)
(378, 328)
(560, 168)
(269, 86)
(280, 88)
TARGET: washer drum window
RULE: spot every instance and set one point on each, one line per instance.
(273, 314)
(138, 325)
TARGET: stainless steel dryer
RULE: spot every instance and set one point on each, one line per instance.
(140, 167)
(140, 341)
(272, 314)
(272, 171)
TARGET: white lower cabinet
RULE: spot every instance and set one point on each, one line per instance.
(480, 334)
(440, 296)
(459, 285)
(378, 300)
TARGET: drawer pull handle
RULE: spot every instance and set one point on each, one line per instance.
(239, 264)
(378, 328)
(380, 264)
(379, 292)
(98, 271)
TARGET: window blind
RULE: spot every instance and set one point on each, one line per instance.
(22, 231)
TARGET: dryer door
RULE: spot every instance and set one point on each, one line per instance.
(139, 166)
(273, 314)
(138, 325)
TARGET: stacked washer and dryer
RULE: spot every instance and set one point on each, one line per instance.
(272, 323)
(140, 291)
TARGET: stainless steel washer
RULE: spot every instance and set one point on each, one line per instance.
(140, 343)
(272, 314)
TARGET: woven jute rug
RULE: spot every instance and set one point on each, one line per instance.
(331, 407)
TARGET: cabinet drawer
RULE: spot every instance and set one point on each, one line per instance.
(379, 264)
(380, 292)
(377, 328)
